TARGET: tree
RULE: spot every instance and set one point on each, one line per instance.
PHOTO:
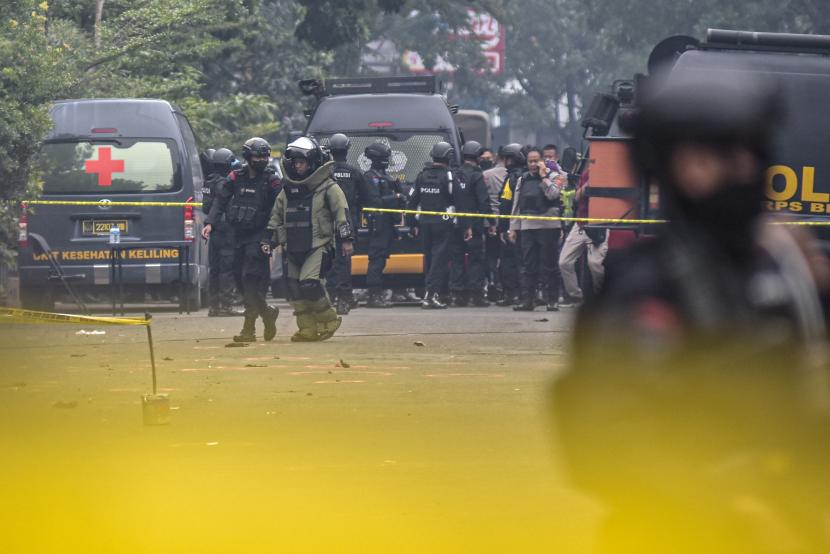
(33, 73)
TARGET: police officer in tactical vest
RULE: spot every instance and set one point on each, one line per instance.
(217, 165)
(434, 191)
(358, 194)
(510, 256)
(310, 212)
(537, 193)
(382, 231)
(467, 284)
(245, 201)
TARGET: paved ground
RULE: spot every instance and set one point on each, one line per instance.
(365, 443)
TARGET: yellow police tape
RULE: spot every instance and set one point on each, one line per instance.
(523, 217)
(108, 203)
(8, 315)
(118, 203)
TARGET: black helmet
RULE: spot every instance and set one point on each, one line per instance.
(442, 152)
(256, 147)
(472, 149)
(513, 151)
(339, 143)
(223, 160)
(304, 148)
(206, 160)
(379, 154)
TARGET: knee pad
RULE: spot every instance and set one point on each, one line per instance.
(311, 290)
(292, 288)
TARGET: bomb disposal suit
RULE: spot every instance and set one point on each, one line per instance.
(310, 211)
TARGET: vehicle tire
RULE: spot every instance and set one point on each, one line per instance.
(38, 299)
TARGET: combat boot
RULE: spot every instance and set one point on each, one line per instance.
(528, 303)
(307, 328)
(343, 306)
(431, 302)
(269, 318)
(460, 299)
(509, 299)
(248, 333)
(479, 301)
(377, 299)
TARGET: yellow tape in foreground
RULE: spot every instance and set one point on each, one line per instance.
(108, 203)
(8, 315)
(524, 217)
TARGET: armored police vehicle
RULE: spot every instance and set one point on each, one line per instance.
(108, 151)
(407, 113)
(798, 181)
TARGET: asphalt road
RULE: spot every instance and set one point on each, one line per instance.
(409, 431)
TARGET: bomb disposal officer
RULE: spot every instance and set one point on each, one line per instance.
(309, 212)
(245, 201)
(433, 192)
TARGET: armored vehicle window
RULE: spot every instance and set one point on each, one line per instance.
(109, 167)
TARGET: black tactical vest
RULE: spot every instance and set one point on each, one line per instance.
(346, 177)
(298, 217)
(249, 208)
(434, 192)
(532, 198)
(465, 194)
(210, 190)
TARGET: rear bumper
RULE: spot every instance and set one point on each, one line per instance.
(101, 274)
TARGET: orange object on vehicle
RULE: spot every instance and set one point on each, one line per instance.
(614, 187)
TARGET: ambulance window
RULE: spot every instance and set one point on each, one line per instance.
(123, 166)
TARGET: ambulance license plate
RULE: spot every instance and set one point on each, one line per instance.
(99, 227)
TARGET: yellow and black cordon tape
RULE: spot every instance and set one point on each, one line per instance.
(30, 316)
(10, 315)
(595, 220)
(448, 215)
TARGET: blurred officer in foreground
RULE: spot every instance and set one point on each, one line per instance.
(509, 262)
(696, 407)
(216, 165)
(536, 193)
(433, 191)
(382, 230)
(358, 194)
(309, 213)
(468, 281)
(245, 201)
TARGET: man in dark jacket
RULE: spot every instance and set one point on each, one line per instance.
(217, 165)
(433, 192)
(382, 226)
(467, 269)
(245, 202)
(358, 194)
(510, 256)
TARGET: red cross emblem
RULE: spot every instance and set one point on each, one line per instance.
(104, 166)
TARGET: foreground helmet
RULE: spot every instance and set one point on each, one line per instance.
(304, 148)
(442, 152)
(379, 154)
(472, 149)
(513, 151)
(709, 109)
(339, 143)
(256, 147)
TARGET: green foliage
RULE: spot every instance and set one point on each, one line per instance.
(32, 74)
